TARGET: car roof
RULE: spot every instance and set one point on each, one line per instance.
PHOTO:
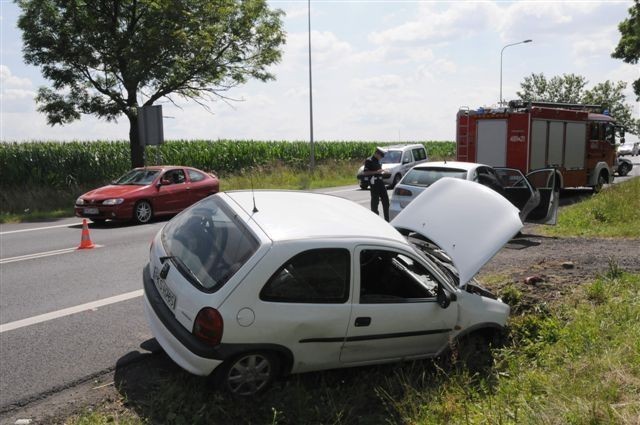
(287, 215)
(394, 147)
(451, 164)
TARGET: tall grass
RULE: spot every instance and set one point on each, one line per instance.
(614, 212)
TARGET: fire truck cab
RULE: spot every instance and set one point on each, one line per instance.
(577, 140)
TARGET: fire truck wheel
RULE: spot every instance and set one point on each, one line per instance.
(601, 182)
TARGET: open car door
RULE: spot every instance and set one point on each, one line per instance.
(536, 195)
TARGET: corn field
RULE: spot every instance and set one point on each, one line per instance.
(69, 164)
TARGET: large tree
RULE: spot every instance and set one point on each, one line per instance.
(108, 57)
(570, 88)
(628, 48)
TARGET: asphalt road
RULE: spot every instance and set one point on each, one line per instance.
(67, 315)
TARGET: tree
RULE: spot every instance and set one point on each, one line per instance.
(628, 48)
(108, 57)
(570, 88)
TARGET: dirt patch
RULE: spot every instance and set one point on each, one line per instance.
(543, 269)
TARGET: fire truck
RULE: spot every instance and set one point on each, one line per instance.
(577, 140)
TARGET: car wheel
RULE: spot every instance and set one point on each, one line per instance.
(624, 169)
(98, 220)
(364, 185)
(474, 351)
(142, 212)
(248, 374)
(396, 180)
(601, 182)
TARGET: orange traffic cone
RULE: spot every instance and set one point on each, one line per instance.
(85, 241)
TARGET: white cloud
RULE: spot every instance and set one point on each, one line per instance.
(10, 81)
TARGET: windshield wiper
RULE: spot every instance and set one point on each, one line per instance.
(182, 267)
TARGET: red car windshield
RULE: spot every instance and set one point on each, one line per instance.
(138, 177)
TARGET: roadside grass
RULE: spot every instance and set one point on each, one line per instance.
(22, 204)
(614, 212)
(577, 362)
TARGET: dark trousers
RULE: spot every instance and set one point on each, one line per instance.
(379, 193)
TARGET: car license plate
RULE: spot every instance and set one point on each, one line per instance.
(91, 211)
(166, 293)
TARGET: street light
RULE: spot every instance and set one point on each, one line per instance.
(311, 146)
(501, 52)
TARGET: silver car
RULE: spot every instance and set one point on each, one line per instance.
(536, 195)
(398, 159)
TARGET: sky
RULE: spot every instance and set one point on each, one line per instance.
(382, 70)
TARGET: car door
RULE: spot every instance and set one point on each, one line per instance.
(173, 195)
(395, 313)
(199, 187)
(535, 195)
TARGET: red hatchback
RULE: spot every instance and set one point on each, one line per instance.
(144, 193)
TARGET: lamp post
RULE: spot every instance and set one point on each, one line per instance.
(501, 52)
(311, 146)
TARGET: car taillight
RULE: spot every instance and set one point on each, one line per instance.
(208, 326)
(402, 192)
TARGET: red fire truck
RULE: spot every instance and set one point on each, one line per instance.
(577, 140)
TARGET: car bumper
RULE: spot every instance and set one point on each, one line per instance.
(104, 212)
(171, 335)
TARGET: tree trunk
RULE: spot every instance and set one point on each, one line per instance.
(137, 150)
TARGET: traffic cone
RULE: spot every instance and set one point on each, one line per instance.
(85, 241)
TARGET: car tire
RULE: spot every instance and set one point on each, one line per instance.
(364, 185)
(248, 374)
(142, 212)
(98, 220)
(396, 180)
(474, 351)
(623, 169)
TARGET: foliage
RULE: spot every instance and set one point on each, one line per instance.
(570, 88)
(614, 212)
(628, 48)
(100, 57)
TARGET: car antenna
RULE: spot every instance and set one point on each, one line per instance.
(253, 195)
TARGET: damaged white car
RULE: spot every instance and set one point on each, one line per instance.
(248, 286)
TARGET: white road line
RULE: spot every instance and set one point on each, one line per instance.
(353, 189)
(68, 311)
(40, 255)
(40, 228)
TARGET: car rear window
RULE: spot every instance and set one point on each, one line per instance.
(427, 176)
(209, 243)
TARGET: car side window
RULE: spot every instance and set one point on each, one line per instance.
(488, 177)
(319, 276)
(195, 176)
(407, 157)
(419, 154)
(174, 177)
(391, 277)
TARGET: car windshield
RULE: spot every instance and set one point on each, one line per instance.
(138, 177)
(436, 256)
(391, 157)
(210, 242)
(422, 176)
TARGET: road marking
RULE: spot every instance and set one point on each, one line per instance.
(68, 311)
(352, 189)
(40, 255)
(40, 228)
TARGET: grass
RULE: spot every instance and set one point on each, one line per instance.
(32, 204)
(575, 363)
(614, 212)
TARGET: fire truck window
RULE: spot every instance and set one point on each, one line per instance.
(610, 134)
(595, 131)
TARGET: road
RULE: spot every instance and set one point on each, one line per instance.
(67, 315)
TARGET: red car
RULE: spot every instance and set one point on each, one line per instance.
(144, 193)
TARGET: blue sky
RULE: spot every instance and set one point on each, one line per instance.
(382, 70)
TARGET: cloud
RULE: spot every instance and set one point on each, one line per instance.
(10, 81)
(327, 50)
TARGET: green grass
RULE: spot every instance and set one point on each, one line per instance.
(614, 212)
(575, 363)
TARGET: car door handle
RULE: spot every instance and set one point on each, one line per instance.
(363, 321)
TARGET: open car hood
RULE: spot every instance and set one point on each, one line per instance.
(467, 220)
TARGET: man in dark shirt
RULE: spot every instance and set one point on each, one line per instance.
(373, 170)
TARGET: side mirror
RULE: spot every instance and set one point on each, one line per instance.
(443, 298)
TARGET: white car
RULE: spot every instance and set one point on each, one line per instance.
(629, 148)
(245, 286)
(535, 195)
(397, 160)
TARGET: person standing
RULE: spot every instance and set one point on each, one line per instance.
(373, 170)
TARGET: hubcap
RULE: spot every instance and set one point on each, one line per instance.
(249, 375)
(143, 212)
